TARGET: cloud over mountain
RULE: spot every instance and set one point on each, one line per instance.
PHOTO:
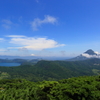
(90, 56)
(86, 55)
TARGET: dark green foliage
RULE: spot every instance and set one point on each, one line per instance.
(80, 88)
(52, 70)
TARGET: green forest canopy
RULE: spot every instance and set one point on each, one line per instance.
(76, 88)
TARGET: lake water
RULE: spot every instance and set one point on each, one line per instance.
(10, 64)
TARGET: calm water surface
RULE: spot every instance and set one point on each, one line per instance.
(10, 64)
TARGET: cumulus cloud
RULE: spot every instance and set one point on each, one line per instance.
(38, 22)
(32, 43)
(6, 24)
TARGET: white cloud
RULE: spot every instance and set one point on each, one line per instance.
(90, 56)
(86, 55)
(38, 22)
(32, 43)
(7, 24)
(97, 52)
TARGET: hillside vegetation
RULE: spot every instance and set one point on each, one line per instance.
(52, 70)
(80, 88)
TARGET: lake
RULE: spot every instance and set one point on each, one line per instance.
(10, 64)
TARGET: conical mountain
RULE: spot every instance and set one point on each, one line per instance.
(86, 55)
(90, 52)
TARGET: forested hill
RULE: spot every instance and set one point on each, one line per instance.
(52, 70)
(79, 88)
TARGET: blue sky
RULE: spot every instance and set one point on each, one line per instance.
(49, 27)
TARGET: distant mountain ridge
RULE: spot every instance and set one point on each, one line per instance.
(86, 55)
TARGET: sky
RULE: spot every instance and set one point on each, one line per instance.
(49, 27)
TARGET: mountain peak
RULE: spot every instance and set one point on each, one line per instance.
(90, 52)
